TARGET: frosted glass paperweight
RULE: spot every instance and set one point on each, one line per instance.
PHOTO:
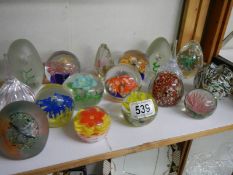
(92, 124)
(135, 58)
(24, 130)
(121, 80)
(61, 65)
(167, 88)
(190, 59)
(57, 103)
(200, 103)
(139, 108)
(86, 89)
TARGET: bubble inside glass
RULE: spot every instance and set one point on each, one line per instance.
(92, 124)
(139, 108)
(57, 102)
(200, 103)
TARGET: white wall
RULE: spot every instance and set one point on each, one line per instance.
(81, 26)
(229, 29)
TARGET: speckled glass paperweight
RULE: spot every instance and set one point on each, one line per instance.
(121, 80)
(92, 124)
(139, 108)
(24, 130)
(190, 59)
(57, 102)
(135, 58)
(167, 88)
(86, 89)
(216, 79)
(200, 103)
(60, 66)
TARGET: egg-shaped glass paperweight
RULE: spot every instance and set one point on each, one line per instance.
(24, 130)
(135, 58)
(61, 65)
(139, 108)
(86, 89)
(200, 103)
(57, 102)
(216, 79)
(92, 124)
(121, 80)
(14, 90)
(190, 59)
(167, 88)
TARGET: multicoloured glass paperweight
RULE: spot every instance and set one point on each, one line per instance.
(216, 79)
(135, 58)
(103, 60)
(86, 89)
(61, 65)
(139, 108)
(57, 102)
(92, 124)
(24, 130)
(167, 88)
(25, 63)
(190, 59)
(14, 90)
(121, 80)
(200, 103)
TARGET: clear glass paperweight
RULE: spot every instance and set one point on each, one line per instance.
(167, 88)
(25, 63)
(200, 103)
(14, 90)
(92, 124)
(61, 65)
(121, 80)
(86, 89)
(103, 60)
(139, 108)
(57, 103)
(24, 130)
(216, 79)
(135, 58)
(190, 59)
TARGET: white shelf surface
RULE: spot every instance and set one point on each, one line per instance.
(171, 122)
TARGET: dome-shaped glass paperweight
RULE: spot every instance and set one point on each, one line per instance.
(135, 58)
(121, 80)
(86, 89)
(167, 88)
(215, 79)
(200, 103)
(14, 90)
(190, 59)
(92, 124)
(139, 108)
(57, 102)
(24, 130)
(61, 65)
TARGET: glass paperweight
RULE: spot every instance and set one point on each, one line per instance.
(190, 59)
(92, 124)
(25, 63)
(14, 90)
(121, 80)
(24, 130)
(61, 65)
(167, 88)
(139, 108)
(103, 60)
(215, 79)
(135, 58)
(200, 103)
(86, 89)
(57, 102)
